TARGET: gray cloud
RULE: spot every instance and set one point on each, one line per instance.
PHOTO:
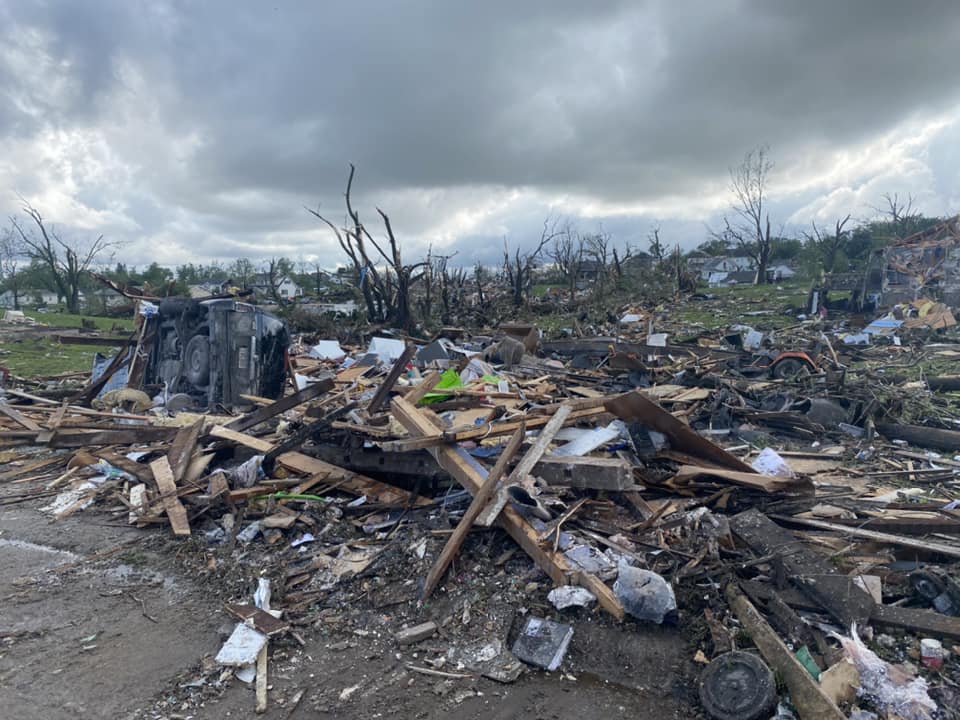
(208, 126)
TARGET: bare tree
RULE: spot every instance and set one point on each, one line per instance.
(276, 271)
(657, 248)
(67, 262)
(899, 213)
(827, 247)
(12, 251)
(566, 251)
(598, 248)
(242, 272)
(479, 279)
(518, 266)
(750, 229)
(352, 242)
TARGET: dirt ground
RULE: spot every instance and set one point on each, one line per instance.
(99, 620)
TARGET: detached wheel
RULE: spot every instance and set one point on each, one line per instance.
(790, 368)
(196, 361)
(738, 686)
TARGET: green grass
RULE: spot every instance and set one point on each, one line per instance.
(43, 357)
(27, 353)
(63, 320)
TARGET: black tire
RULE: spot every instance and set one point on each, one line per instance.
(789, 368)
(738, 686)
(196, 361)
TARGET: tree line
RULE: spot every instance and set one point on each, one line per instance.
(397, 290)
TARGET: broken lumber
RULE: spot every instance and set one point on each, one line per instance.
(383, 392)
(168, 494)
(311, 391)
(585, 473)
(805, 693)
(915, 544)
(634, 406)
(470, 474)
(325, 472)
(480, 499)
(925, 437)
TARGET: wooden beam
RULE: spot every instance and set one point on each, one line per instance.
(479, 501)
(485, 431)
(426, 385)
(525, 466)
(18, 418)
(346, 480)
(383, 392)
(168, 493)
(635, 406)
(311, 391)
(471, 476)
(182, 447)
(593, 473)
(913, 543)
(807, 696)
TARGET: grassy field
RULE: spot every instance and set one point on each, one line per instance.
(26, 352)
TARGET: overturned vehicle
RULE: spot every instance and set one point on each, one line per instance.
(209, 353)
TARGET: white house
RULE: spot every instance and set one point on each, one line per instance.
(780, 272)
(30, 297)
(725, 264)
(286, 288)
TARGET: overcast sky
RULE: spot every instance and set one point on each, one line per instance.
(199, 130)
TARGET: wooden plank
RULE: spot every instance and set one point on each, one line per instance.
(526, 464)
(168, 493)
(261, 620)
(383, 392)
(261, 706)
(586, 473)
(917, 620)
(345, 480)
(480, 499)
(31, 467)
(634, 406)
(426, 385)
(471, 476)
(314, 390)
(66, 438)
(805, 693)
(539, 447)
(914, 544)
(181, 449)
(485, 431)
(18, 418)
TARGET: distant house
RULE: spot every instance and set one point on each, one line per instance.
(102, 299)
(286, 288)
(587, 273)
(640, 261)
(780, 272)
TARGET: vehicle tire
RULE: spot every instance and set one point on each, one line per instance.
(196, 361)
(738, 686)
(790, 368)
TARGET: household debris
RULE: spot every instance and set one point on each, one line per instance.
(686, 483)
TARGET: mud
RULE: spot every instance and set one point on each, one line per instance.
(98, 620)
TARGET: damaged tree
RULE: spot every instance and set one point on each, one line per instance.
(750, 230)
(827, 248)
(566, 251)
(519, 267)
(11, 252)
(386, 295)
(66, 262)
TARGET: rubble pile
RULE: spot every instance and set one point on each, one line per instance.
(794, 497)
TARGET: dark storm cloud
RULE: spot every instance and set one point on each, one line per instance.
(619, 102)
